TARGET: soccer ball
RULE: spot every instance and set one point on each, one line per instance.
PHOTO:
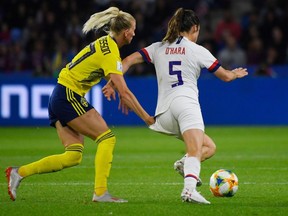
(223, 183)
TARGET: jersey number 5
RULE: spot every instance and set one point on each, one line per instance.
(175, 72)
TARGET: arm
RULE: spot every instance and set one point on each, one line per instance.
(228, 76)
(128, 98)
(134, 58)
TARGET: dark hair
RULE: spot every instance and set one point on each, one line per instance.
(182, 21)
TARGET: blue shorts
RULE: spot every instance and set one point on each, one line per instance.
(65, 105)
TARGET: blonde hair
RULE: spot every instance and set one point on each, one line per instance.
(182, 21)
(112, 17)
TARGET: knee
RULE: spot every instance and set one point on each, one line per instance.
(212, 149)
(209, 148)
(209, 142)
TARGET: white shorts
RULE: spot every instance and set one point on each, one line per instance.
(184, 113)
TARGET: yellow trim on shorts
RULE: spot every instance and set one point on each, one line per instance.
(76, 105)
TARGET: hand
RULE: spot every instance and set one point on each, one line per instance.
(125, 109)
(109, 92)
(240, 72)
(150, 120)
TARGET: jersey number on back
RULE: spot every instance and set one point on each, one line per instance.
(81, 58)
(175, 72)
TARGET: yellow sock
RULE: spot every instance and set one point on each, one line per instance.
(53, 163)
(103, 160)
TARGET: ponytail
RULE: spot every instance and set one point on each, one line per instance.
(173, 27)
(182, 21)
(115, 19)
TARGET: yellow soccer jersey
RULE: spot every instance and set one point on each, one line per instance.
(90, 65)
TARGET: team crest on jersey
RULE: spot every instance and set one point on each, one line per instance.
(84, 102)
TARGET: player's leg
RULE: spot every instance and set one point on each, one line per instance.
(94, 126)
(193, 139)
(73, 142)
(78, 114)
(191, 125)
(191, 130)
(208, 150)
(72, 156)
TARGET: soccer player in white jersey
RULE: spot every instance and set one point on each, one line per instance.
(178, 61)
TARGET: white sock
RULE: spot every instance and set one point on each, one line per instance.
(191, 172)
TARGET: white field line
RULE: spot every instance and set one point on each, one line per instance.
(171, 167)
(148, 157)
(135, 183)
(166, 167)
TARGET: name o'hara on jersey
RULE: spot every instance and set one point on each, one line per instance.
(175, 50)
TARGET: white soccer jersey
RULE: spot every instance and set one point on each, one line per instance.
(178, 66)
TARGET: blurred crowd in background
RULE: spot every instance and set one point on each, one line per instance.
(40, 37)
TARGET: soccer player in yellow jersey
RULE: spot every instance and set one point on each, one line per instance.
(73, 117)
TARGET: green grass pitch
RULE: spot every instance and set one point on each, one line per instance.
(142, 172)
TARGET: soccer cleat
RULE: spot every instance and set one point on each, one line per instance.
(193, 196)
(106, 197)
(14, 180)
(179, 167)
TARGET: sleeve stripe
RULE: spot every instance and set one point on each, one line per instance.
(145, 55)
(214, 66)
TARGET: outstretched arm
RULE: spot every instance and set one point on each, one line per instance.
(128, 99)
(134, 58)
(230, 75)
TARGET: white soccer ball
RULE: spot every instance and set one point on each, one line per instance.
(223, 183)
